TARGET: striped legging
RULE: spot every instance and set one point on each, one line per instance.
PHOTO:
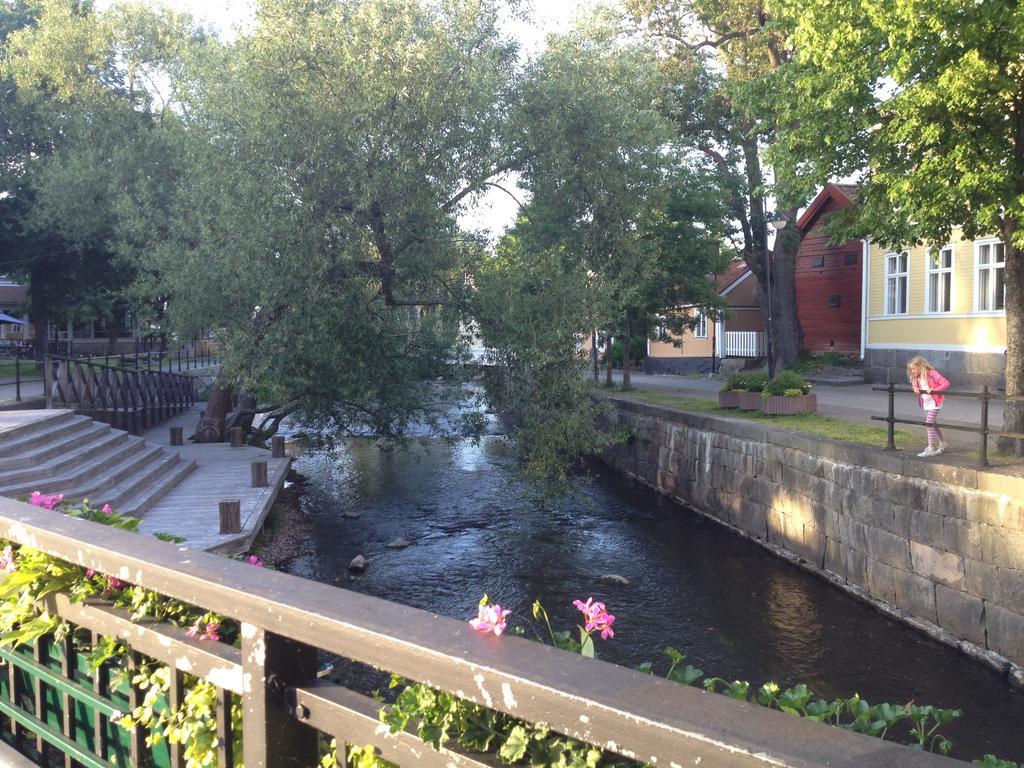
(934, 433)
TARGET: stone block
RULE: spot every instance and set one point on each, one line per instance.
(937, 565)
(752, 517)
(1003, 547)
(981, 579)
(964, 538)
(835, 558)
(1005, 633)
(880, 581)
(915, 595)
(856, 567)
(814, 546)
(961, 613)
(924, 527)
(1009, 591)
(944, 501)
(993, 509)
(888, 548)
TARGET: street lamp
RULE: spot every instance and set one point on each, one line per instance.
(778, 223)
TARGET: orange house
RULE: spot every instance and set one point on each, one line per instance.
(739, 335)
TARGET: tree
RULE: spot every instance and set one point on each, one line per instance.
(78, 142)
(927, 99)
(724, 59)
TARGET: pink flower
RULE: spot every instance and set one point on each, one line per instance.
(254, 560)
(46, 502)
(596, 617)
(114, 584)
(207, 633)
(107, 510)
(89, 573)
(490, 618)
(8, 560)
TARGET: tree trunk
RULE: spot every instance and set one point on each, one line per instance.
(782, 330)
(1013, 418)
(211, 424)
(243, 414)
(788, 335)
(608, 360)
(626, 338)
(594, 354)
(39, 315)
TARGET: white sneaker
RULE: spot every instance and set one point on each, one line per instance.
(929, 451)
(943, 447)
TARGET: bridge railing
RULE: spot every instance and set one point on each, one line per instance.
(287, 621)
(128, 399)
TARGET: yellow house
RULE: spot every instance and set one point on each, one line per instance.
(946, 303)
(739, 335)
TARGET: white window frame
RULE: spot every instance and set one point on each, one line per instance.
(700, 330)
(933, 267)
(991, 268)
(890, 276)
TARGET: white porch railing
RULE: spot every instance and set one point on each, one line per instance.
(744, 344)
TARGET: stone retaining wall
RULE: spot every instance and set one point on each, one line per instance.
(941, 547)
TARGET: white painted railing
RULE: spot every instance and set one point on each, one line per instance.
(744, 344)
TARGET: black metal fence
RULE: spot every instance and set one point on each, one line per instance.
(983, 430)
(285, 708)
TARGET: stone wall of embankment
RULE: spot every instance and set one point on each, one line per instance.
(938, 546)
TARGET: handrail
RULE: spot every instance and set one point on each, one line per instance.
(984, 432)
(128, 399)
(284, 617)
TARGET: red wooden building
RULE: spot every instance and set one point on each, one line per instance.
(829, 278)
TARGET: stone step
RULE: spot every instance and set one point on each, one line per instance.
(15, 437)
(144, 499)
(101, 444)
(88, 464)
(138, 463)
(59, 452)
(86, 436)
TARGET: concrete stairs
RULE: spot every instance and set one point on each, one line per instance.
(59, 452)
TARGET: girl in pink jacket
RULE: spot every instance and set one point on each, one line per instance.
(927, 383)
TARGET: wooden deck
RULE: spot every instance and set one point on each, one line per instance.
(221, 473)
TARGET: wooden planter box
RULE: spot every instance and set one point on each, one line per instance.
(779, 405)
(750, 401)
(728, 399)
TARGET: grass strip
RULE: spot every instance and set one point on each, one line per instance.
(811, 423)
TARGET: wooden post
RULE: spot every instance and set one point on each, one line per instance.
(237, 437)
(230, 516)
(259, 474)
(277, 447)
(177, 436)
(48, 380)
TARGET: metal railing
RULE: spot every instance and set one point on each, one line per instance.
(287, 621)
(132, 400)
(983, 431)
(743, 344)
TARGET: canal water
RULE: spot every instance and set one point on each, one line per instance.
(736, 611)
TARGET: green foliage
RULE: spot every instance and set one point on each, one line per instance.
(637, 353)
(786, 382)
(810, 362)
(991, 761)
(749, 381)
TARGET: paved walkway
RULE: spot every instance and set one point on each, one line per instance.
(853, 402)
(222, 472)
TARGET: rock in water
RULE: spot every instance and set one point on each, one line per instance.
(358, 564)
(614, 578)
(352, 513)
(399, 543)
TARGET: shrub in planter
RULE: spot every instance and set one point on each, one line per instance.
(789, 393)
(729, 395)
(750, 396)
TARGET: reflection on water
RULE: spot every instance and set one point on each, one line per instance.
(733, 608)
